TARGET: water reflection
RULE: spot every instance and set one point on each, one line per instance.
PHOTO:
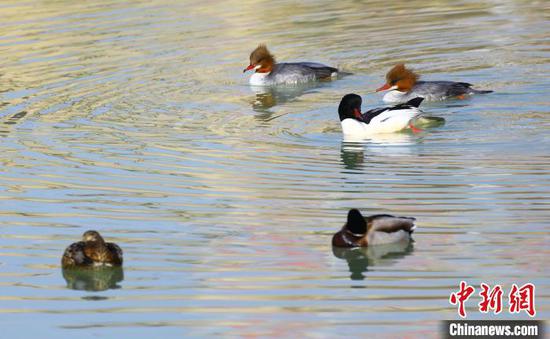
(352, 150)
(429, 122)
(360, 258)
(398, 138)
(96, 279)
(11, 120)
(14, 118)
(352, 155)
(268, 97)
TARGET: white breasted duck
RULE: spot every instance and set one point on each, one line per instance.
(268, 72)
(377, 120)
(92, 251)
(376, 229)
(403, 85)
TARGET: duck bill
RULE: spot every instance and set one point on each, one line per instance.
(357, 114)
(384, 88)
(249, 68)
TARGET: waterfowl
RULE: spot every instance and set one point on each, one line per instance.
(92, 251)
(359, 231)
(268, 72)
(377, 120)
(403, 85)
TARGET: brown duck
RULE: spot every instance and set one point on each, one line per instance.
(92, 251)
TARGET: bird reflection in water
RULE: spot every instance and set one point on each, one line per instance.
(360, 258)
(93, 279)
(352, 151)
(271, 96)
(352, 155)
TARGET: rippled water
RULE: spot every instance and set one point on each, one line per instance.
(133, 118)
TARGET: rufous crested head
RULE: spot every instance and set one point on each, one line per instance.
(400, 78)
(261, 60)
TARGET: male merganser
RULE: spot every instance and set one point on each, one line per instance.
(377, 229)
(404, 85)
(377, 120)
(92, 251)
(268, 72)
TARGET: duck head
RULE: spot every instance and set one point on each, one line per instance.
(353, 233)
(261, 61)
(356, 223)
(92, 236)
(399, 78)
(350, 107)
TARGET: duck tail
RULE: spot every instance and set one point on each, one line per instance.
(413, 227)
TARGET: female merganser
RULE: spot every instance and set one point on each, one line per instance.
(377, 229)
(268, 72)
(92, 251)
(377, 120)
(404, 85)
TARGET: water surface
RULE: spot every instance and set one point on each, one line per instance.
(134, 119)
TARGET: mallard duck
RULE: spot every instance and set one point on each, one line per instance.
(376, 229)
(92, 251)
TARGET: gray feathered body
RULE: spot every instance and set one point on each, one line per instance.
(298, 73)
(433, 91)
(385, 229)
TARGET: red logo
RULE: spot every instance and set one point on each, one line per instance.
(492, 300)
(519, 299)
(461, 297)
(522, 299)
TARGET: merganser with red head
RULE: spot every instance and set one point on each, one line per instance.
(268, 72)
(377, 120)
(403, 85)
(378, 229)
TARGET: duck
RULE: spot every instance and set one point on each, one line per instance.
(403, 85)
(268, 72)
(378, 229)
(377, 120)
(92, 251)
